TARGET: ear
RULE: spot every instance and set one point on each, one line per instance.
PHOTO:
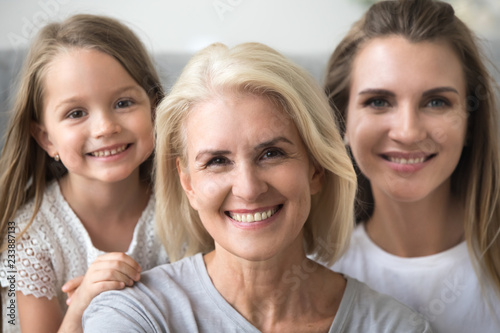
(41, 136)
(316, 180)
(185, 179)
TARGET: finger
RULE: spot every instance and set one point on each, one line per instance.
(94, 290)
(72, 284)
(110, 273)
(100, 287)
(120, 256)
(114, 265)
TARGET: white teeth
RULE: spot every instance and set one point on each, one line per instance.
(259, 216)
(407, 161)
(111, 152)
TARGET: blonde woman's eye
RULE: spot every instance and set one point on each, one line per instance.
(217, 161)
(273, 153)
(76, 114)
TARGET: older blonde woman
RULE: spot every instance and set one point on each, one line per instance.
(252, 176)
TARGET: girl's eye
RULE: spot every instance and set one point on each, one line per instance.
(217, 161)
(124, 104)
(76, 114)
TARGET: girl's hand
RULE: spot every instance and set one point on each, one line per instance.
(110, 271)
(70, 287)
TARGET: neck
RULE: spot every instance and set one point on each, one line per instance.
(279, 290)
(96, 201)
(420, 228)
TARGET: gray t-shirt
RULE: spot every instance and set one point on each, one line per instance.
(180, 297)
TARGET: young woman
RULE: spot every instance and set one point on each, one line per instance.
(420, 119)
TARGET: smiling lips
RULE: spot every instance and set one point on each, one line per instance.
(408, 158)
(110, 152)
(255, 217)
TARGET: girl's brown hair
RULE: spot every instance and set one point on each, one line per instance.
(25, 167)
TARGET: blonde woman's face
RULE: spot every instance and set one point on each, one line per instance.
(248, 175)
(407, 119)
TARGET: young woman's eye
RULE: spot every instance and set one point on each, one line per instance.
(437, 103)
(76, 114)
(377, 103)
(124, 104)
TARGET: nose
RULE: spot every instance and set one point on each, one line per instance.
(248, 183)
(105, 124)
(407, 126)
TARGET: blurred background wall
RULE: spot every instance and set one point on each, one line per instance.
(172, 30)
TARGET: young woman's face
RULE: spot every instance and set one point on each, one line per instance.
(248, 175)
(406, 118)
(95, 116)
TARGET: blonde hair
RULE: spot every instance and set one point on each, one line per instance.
(24, 166)
(476, 179)
(255, 69)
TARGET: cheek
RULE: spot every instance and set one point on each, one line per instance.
(70, 140)
(143, 128)
(210, 191)
(294, 184)
(361, 135)
(142, 125)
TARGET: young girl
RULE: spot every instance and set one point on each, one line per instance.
(75, 174)
(420, 120)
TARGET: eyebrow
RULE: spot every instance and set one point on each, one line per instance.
(260, 146)
(272, 142)
(377, 92)
(439, 90)
(426, 93)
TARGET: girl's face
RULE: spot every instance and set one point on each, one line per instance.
(95, 116)
(406, 118)
(248, 175)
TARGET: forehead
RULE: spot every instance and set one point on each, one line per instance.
(75, 64)
(394, 61)
(237, 119)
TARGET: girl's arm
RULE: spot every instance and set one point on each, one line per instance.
(108, 272)
(111, 271)
(38, 314)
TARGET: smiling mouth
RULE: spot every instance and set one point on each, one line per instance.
(255, 217)
(110, 152)
(402, 160)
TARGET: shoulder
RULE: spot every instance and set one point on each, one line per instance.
(162, 298)
(51, 205)
(161, 281)
(367, 309)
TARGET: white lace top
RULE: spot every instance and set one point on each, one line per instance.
(57, 248)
